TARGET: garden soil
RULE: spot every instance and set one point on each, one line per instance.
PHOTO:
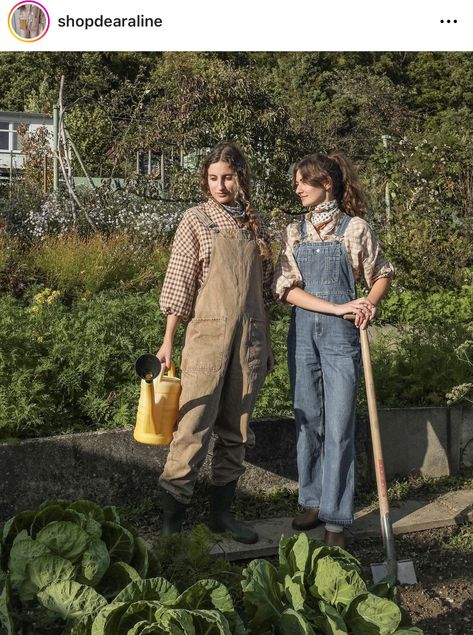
(441, 603)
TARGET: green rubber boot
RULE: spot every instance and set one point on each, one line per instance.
(221, 519)
(174, 513)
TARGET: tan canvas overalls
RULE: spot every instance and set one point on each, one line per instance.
(223, 364)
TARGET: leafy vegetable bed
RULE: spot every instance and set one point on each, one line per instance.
(78, 569)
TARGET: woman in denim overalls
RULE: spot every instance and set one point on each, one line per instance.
(320, 259)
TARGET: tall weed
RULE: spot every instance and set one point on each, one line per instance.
(74, 264)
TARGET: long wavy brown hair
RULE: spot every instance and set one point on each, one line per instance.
(336, 167)
(230, 153)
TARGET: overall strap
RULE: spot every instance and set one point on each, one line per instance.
(204, 219)
(304, 233)
(340, 232)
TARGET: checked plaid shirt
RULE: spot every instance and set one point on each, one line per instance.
(190, 260)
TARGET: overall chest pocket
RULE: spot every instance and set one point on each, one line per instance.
(331, 267)
(319, 263)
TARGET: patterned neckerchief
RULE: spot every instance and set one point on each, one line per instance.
(237, 211)
(322, 214)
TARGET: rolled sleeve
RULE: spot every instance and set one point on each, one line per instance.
(182, 274)
(286, 274)
(372, 263)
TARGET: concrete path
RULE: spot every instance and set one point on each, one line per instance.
(411, 515)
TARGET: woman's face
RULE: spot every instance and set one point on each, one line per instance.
(221, 182)
(311, 195)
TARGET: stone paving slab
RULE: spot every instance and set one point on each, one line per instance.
(460, 503)
(270, 532)
(410, 516)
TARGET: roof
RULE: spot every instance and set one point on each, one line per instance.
(26, 116)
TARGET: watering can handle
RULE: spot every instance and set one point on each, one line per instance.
(171, 371)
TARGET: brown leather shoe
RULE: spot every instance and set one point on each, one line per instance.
(308, 520)
(335, 539)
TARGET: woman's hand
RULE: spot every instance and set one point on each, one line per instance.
(165, 354)
(363, 310)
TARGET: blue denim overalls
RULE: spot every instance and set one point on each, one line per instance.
(324, 369)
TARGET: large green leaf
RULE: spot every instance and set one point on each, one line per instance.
(336, 553)
(83, 626)
(210, 622)
(24, 550)
(298, 557)
(330, 622)
(141, 628)
(47, 514)
(139, 560)
(294, 623)
(119, 541)
(6, 619)
(108, 618)
(116, 578)
(71, 600)
(262, 595)
(285, 547)
(336, 583)
(385, 589)
(369, 614)
(151, 589)
(89, 509)
(175, 621)
(60, 502)
(409, 630)
(11, 529)
(295, 591)
(94, 563)
(65, 539)
(207, 595)
(45, 570)
(143, 610)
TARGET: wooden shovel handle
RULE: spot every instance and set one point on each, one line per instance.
(374, 421)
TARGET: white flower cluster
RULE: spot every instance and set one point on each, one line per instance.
(144, 219)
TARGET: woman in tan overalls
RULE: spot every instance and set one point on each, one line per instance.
(218, 281)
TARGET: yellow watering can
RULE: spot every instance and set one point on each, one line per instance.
(158, 406)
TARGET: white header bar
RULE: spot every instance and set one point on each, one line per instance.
(251, 25)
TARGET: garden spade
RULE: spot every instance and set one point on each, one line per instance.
(401, 571)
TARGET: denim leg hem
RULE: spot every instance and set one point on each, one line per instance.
(335, 521)
(309, 505)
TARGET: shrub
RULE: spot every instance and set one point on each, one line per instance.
(73, 264)
(274, 399)
(420, 308)
(417, 367)
(65, 368)
(464, 353)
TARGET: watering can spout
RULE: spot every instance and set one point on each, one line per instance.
(159, 402)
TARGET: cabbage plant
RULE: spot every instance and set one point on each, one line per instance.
(65, 560)
(318, 589)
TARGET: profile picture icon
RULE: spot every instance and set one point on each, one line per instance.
(28, 21)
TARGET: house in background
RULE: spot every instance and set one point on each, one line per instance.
(11, 158)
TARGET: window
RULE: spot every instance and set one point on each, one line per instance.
(4, 135)
(9, 139)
